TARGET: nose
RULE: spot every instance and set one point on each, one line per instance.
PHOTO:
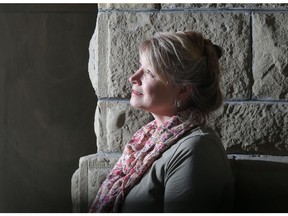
(136, 77)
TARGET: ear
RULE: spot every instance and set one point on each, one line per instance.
(184, 91)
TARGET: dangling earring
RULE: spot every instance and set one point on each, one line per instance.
(178, 104)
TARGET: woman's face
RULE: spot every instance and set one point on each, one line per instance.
(149, 93)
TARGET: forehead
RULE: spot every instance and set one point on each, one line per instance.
(144, 59)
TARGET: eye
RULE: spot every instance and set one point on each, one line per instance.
(149, 73)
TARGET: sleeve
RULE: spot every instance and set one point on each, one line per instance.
(193, 180)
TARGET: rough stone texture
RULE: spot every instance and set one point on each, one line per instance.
(253, 127)
(86, 181)
(75, 191)
(115, 122)
(270, 50)
(47, 107)
(224, 6)
(114, 47)
(126, 6)
(243, 127)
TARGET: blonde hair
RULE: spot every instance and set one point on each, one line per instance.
(187, 57)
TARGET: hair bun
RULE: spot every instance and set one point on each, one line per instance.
(218, 50)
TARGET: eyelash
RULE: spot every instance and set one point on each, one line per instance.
(149, 73)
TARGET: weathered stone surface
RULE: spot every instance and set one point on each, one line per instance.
(243, 127)
(266, 6)
(270, 50)
(114, 47)
(75, 191)
(253, 127)
(86, 181)
(223, 6)
(125, 6)
(98, 169)
(115, 123)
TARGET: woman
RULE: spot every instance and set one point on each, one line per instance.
(174, 163)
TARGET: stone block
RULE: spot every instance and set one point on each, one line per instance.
(114, 47)
(167, 6)
(115, 123)
(253, 127)
(86, 181)
(127, 6)
(270, 50)
(243, 127)
(75, 191)
(267, 6)
(98, 168)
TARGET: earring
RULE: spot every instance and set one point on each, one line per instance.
(178, 103)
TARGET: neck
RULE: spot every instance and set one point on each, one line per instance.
(161, 119)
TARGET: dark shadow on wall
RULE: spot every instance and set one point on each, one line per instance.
(261, 186)
(47, 103)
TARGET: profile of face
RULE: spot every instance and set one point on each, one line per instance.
(149, 93)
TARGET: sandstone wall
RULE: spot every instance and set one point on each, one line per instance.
(254, 69)
(254, 116)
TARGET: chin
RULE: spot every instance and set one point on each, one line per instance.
(136, 105)
(133, 103)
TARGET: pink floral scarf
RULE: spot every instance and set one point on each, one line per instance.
(146, 145)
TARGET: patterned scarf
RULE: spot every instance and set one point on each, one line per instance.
(146, 145)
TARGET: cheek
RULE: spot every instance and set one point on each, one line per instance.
(161, 95)
(151, 91)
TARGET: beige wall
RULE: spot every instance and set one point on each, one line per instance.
(47, 103)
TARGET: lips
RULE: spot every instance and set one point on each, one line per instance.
(136, 92)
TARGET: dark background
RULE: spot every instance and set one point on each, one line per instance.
(47, 103)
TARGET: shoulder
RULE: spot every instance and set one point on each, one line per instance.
(198, 139)
(200, 145)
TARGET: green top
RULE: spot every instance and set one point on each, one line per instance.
(194, 175)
